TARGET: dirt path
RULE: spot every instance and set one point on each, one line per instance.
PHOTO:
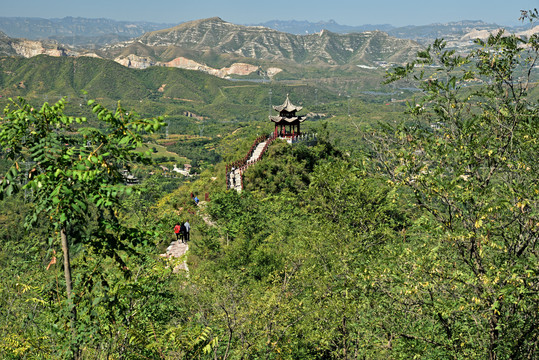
(177, 249)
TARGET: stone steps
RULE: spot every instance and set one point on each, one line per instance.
(235, 175)
(258, 151)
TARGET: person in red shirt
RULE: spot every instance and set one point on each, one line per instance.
(177, 228)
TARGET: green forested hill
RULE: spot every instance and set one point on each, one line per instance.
(100, 78)
(52, 77)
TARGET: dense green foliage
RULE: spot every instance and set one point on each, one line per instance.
(198, 151)
(75, 181)
(469, 157)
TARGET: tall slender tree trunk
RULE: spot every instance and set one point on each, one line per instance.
(67, 264)
(69, 291)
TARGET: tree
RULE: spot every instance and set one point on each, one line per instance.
(73, 169)
(468, 154)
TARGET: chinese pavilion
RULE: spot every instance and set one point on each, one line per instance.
(287, 122)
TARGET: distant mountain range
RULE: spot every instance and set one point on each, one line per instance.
(203, 39)
(84, 32)
(224, 49)
(306, 27)
(424, 34)
(76, 31)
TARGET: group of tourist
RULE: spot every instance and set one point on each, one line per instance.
(182, 232)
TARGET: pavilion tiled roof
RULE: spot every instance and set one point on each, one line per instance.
(287, 106)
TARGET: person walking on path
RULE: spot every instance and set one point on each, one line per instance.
(182, 232)
(187, 229)
(177, 229)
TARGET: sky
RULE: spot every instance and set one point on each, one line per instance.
(344, 12)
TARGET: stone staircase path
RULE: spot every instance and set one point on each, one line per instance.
(235, 179)
(258, 151)
(235, 175)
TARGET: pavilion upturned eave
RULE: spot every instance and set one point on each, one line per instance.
(281, 119)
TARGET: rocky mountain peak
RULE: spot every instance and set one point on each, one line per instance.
(220, 37)
(196, 23)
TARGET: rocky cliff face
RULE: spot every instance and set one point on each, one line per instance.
(234, 69)
(135, 61)
(29, 48)
(484, 34)
(138, 62)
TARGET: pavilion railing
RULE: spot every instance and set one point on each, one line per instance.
(303, 137)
